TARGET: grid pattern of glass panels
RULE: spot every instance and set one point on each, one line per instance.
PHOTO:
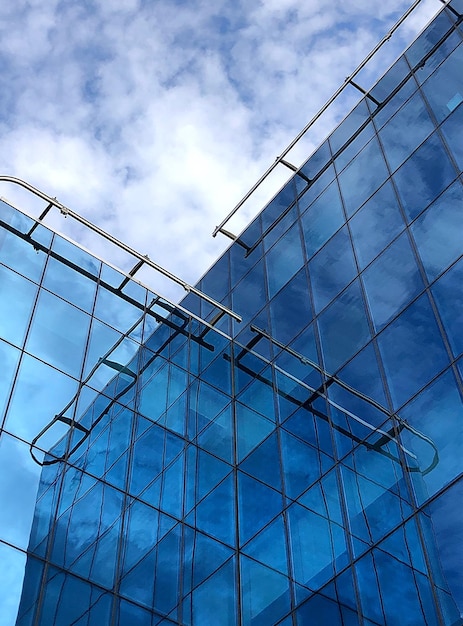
(303, 467)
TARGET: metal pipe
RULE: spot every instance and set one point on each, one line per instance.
(65, 211)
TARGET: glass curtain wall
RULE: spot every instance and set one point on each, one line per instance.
(303, 467)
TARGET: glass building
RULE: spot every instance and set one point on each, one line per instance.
(166, 464)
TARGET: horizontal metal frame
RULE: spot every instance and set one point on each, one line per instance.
(348, 81)
(52, 202)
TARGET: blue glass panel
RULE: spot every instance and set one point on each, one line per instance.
(429, 38)
(437, 232)
(365, 173)
(249, 296)
(348, 126)
(215, 514)
(301, 464)
(405, 131)
(392, 281)
(435, 416)
(215, 283)
(401, 602)
(284, 198)
(240, 262)
(323, 498)
(412, 350)
(290, 309)
(322, 219)
(391, 79)
(59, 333)
(376, 224)
(424, 176)
(363, 374)
(354, 147)
(17, 297)
(343, 328)
(313, 548)
(214, 602)
(382, 115)
(449, 301)
(147, 458)
(13, 563)
(167, 572)
(69, 284)
(138, 584)
(405, 545)
(327, 612)
(452, 129)
(269, 546)
(258, 504)
(319, 159)
(367, 582)
(113, 310)
(332, 269)
(33, 406)
(76, 255)
(284, 259)
(265, 594)
(263, 463)
(218, 437)
(447, 526)
(20, 255)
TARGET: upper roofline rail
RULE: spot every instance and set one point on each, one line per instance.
(348, 80)
(144, 259)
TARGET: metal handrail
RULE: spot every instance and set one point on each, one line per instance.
(347, 81)
(53, 202)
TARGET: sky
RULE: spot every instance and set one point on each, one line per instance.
(152, 119)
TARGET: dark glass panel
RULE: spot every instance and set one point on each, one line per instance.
(447, 536)
(317, 547)
(284, 259)
(383, 114)
(449, 299)
(365, 173)
(376, 224)
(331, 269)
(322, 219)
(354, 147)
(263, 463)
(426, 173)
(405, 131)
(392, 281)
(214, 602)
(435, 416)
(269, 546)
(284, 198)
(343, 328)
(349, 126)
(265, 595)
(301, 464)
(249, 296)
(319, 159)
(215, 515)
(412, 350)
(258, 504)
(437, 231)
(290, 309)
(391, 79)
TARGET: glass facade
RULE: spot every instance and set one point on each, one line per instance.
(166, 464)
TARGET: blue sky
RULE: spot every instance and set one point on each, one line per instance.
(152, 119)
